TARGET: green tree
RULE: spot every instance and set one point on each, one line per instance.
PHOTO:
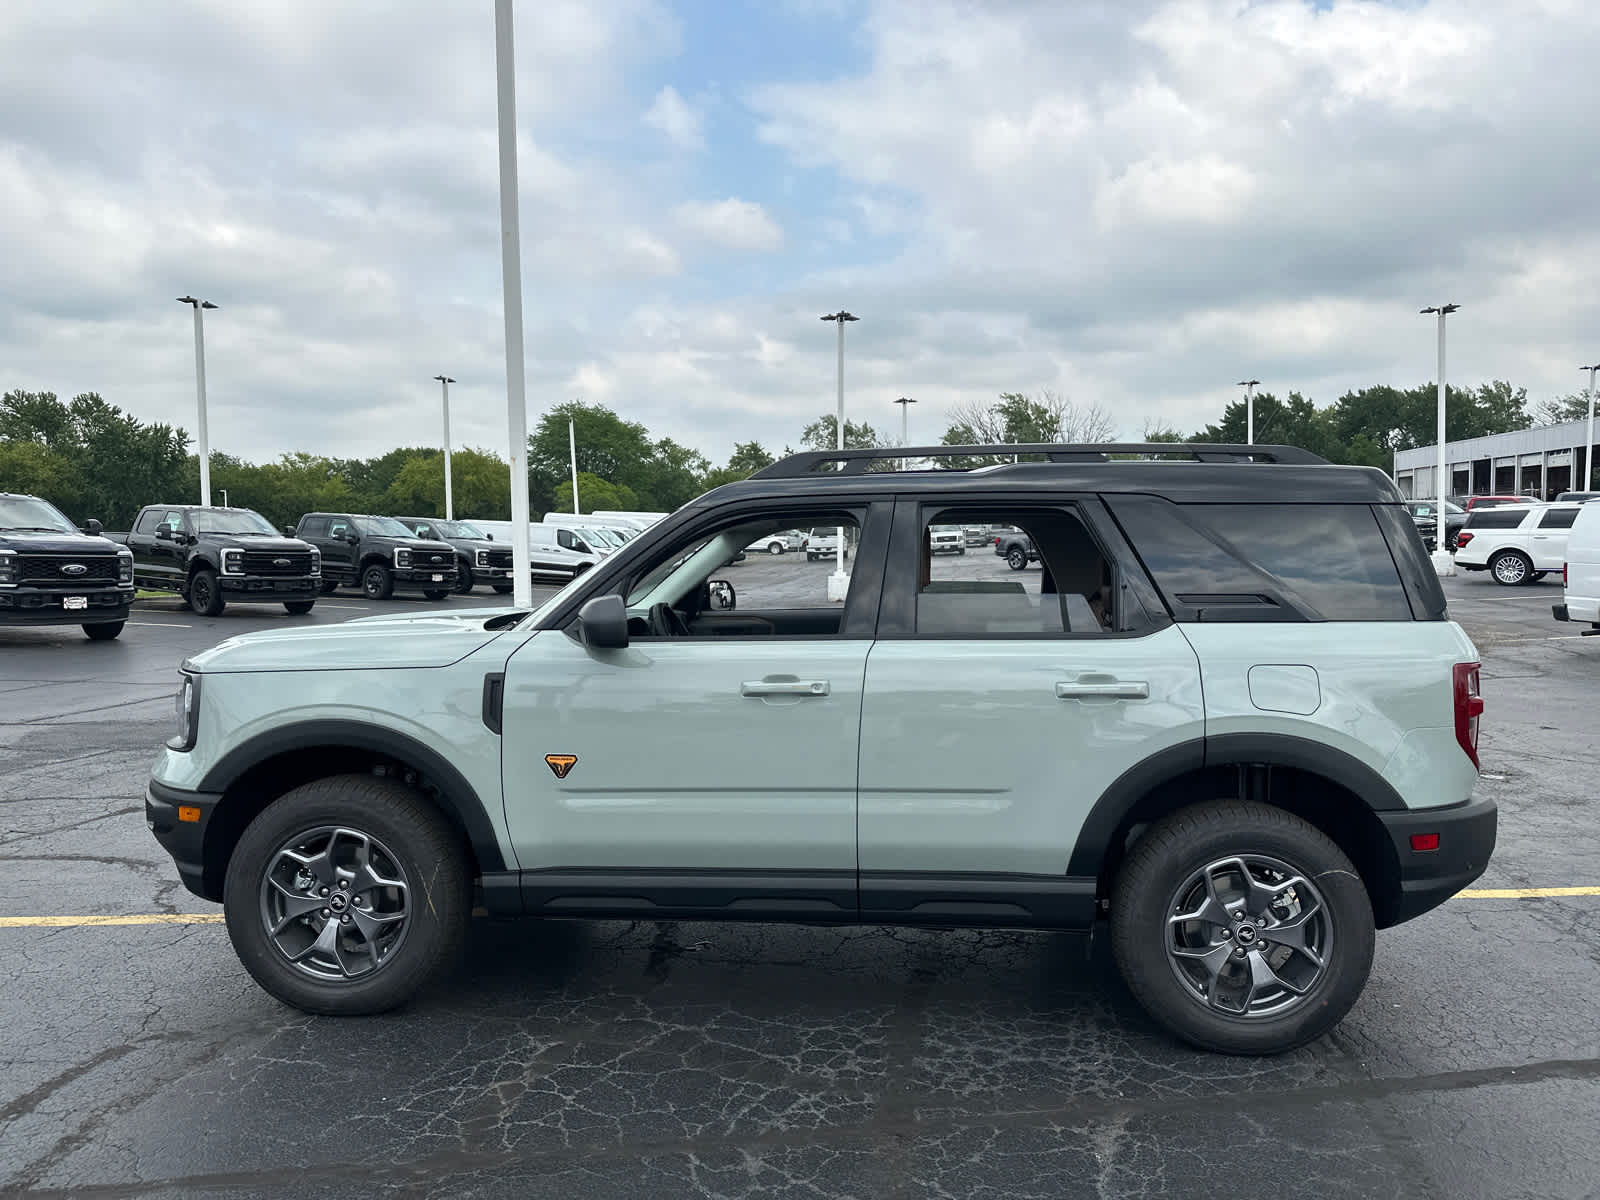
(480, 486)
(36, 470)
(749, 457)
(1574, 407)
(594, 494)
(1020, 417)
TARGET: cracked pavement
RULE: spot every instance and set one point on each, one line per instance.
(575, 1059)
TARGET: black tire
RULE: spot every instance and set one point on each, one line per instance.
(377, 582)
(329, 586)
(1150, 887)
(464, 578)
(962, 550)
(299, 608)
(1511, 568)
(505, 589)
(436, 594)
(1537, 575)
(774, 547)
(104, 631)
(205, 597)
(431, 857)
(1016, 558)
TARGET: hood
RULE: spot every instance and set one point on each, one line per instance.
(428, 639)
(268, 545)
(425, 546)
(58, 543)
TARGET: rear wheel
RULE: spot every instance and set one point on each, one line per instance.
(1241, 928)
(105, 631)
(205, 597)
(1016, 558)
(774, 547)
(347, 895)
(1511, 568)
(298, 608)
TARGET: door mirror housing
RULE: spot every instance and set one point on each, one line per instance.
(488, 537)
(93, 527)
(353, 538)
(164, 533)
(721, 595)
(603, 623)
(288, 531)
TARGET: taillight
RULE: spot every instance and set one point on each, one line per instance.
(1463, 538)
(1469, 707)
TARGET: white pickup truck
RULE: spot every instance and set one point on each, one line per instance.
(823, 543)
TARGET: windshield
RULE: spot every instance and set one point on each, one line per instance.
(383, 527)
(594, 534)
(27, 514)
(457, 529)
(243, 522)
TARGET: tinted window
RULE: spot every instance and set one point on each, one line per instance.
(1496, 518)
(1558, 518)
(314, 527)
(1253, 562)
(148, 520)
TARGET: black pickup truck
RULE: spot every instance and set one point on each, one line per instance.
(479, 558)
(1016, 548)
(50, 574)
(214, 556)
(378, 555)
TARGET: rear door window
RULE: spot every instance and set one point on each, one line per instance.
(1260, 562)
(1558, 518)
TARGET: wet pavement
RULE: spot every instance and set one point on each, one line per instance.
(573, 1059)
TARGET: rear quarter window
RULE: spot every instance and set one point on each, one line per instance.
(1254, 562)
(1505, 517)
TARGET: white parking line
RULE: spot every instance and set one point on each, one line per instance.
(163, 624)
(351, 607)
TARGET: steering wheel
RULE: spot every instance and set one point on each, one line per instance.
(666, 621)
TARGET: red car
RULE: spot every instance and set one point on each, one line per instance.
(1495, 501)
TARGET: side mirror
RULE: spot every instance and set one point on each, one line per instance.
(288, 531)
(488, 537)
(721, 594)
(164, 533)
(581, 546)
(93, 527)
(353, 538)
(603, 623)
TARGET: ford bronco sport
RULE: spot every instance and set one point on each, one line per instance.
(1243, 736)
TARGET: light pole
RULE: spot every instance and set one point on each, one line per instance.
(505, 73)
(200, 391)
(1249, 386)
(905, 403)
(1588, 442)
(1442, 564)
(838, 585)
(444, 387)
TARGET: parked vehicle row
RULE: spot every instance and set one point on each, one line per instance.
(53, 574)
(1517, 544)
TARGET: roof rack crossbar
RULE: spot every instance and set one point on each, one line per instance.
(856, 462)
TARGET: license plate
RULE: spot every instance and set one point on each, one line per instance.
(438, 578)
(73, 603)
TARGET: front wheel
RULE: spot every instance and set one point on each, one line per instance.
(436, 594)
(347, 895)
(505, 589)
(464, 579)
(774, 547)
(105, 631)
(1241, 927)
(329, 586)
(377, 582)
(1511, 568)
(1016, 558)
(205, 597)
(298, 608)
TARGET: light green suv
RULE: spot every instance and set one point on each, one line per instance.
(1225, 715)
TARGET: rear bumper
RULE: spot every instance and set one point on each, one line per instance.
(1430, 877)
(183, 839)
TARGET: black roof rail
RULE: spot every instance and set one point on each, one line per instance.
(856, 462)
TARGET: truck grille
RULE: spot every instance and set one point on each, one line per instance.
(282, 562)
(499, 558)
(56, 569)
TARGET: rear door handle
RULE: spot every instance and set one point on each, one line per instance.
(784, 687)
(1103, 691)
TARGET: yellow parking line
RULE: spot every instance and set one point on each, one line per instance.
(140, 919)
(1525, 893)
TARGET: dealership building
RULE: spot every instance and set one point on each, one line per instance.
(1540, 462)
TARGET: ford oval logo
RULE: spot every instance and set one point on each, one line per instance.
(73, 569)
(436, 558)
(280, 562)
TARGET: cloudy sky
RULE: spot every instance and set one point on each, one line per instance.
(1134, 203)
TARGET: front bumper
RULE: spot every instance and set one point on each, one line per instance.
(23, 606)
(164, 811)
(423, 578)
(248, 587)
(1430, 877)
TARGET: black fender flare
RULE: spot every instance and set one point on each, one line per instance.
(456, 795)
(1270, 749)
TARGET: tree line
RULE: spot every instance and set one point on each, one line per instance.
(91, 459)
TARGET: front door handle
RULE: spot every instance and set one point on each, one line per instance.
(784, 687)
(1103, 691)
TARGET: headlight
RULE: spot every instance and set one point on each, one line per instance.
(402, 557)
(186, 707)
(483, 558)
(125, 566)
(8, 568)
(233, 562)
(316, 562)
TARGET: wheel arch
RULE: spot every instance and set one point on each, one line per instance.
(1335, 792)
(260, 770)
(374, 558)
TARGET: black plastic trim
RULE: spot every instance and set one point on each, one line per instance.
(184, 840)
(1094, 837)
(494, 699)
(502, 892)
(1428, 878)
(1284, 750)
(455, 793)
(990, 900)
(828, 896)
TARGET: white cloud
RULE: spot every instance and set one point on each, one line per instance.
(732, 223)
(672, 115)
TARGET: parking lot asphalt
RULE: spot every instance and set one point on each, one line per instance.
(572, 1059)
